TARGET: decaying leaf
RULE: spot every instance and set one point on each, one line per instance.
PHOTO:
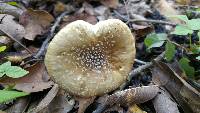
(110, 3)
(35, 22)
(82, 16)
(135, 109)
(166, 9)
(61, 104)
(36, 80)
(185, 95)
(10, 26)
(47, 99)
(183, 2)
(84, 103)
(163, 103)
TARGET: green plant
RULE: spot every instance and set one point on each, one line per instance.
(13, 72)
(186, 29)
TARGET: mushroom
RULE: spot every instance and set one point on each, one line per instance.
(90, 60)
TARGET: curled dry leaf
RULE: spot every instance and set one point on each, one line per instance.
(11, 27)
(36, 22)
(36, 80)
(185, 95)
(163, 103)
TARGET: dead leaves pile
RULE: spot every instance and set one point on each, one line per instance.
(29, 25)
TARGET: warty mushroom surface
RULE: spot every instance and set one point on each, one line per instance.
(90, 60)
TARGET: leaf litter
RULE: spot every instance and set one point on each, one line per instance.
(30, 26)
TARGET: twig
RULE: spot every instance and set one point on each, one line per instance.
(143, 20)
(16, 41)
(50, 36)
(152, 21)
(140, 61)
(126, 9)
(136, 71)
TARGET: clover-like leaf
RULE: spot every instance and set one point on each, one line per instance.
(16, 72)
(2, 48)
(155, 40)
(181, 17)
(194, 24)
(182, 30)
(4, 67)
(12, 71)
(169, 51)
(9, 95)
(184, 64)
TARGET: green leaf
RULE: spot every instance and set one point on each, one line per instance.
(195, 49)
(16, 72)
(12, 71)
(194, 24)
(182, 30)
(169, 51)
(181, 17)
(155, 40)
(4, 67)
(9, 95)
(198, 58)
(184, 64)
(13, 4)
(2, 48)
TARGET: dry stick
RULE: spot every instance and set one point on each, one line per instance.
(152, 21)
(136, 71)
(144, 20)
(50, 36)
(16, 41)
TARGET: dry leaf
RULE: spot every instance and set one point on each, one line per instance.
(186, 96)
(47, 99)
(110, 3)
(135, 109)
(163, 103)
(61, 104)
(83, 16)
(36, 22)
(59, 7)
(142, 30)
(84, 103)
(10, 26)
(183, 2)
(36, 80)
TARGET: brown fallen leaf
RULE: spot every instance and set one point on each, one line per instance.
(10, 26)
(61, 104)
(35, 22)
(185, 95)
(166, 9)
(36, 80)
(183, 2)
(163, 103)
(84, 103)
(110, 3)
(47, 99)
(82, 16)
(135, 109)
(142, 30)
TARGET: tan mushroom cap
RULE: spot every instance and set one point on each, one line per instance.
(88, 60)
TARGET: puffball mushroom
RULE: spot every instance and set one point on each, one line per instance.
(90, 60)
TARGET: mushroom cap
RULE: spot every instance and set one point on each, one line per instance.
(90, 60)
